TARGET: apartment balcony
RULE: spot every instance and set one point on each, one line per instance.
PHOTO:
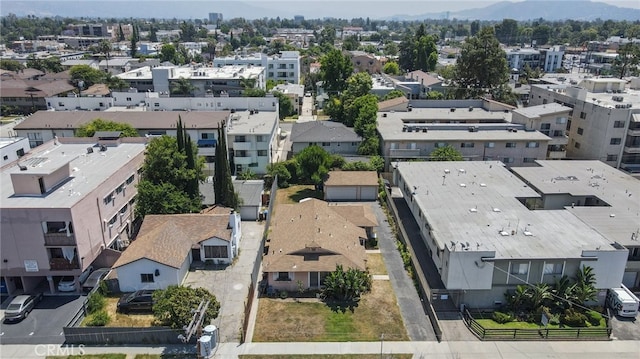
(63, 264)
(207, 151)
(634, 149)
(556, 155)
(559, 140)
(404, 153)
(59, 239)
(242, 146)
(633, 132)
(262, 146)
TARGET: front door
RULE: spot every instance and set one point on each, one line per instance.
(195, 254)
(313, 280)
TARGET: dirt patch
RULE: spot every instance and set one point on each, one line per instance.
(375, 264)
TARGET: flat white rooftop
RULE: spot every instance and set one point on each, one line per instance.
(244, 122)
(477, 203)
(88, 172)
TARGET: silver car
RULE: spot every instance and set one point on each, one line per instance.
(21, 306)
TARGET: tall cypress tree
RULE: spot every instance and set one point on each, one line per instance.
(217, 171)
(192, 186)
(223, 186)
(180, 134)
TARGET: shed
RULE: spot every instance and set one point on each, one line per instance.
(351, 186)
(250, 192)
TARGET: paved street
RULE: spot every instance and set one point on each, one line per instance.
(44, 324)
(415, 320)
(231, 285)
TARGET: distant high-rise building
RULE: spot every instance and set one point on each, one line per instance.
(298, 19)
(214, 17)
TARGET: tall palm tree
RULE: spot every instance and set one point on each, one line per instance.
(585, 290)
(104, 47)
(562, 291)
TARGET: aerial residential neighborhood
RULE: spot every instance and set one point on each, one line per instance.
(313, 180)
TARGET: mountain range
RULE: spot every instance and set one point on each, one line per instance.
(252, 9)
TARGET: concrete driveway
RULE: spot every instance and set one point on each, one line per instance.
(44, 324)
(625, 328)
(231, 285)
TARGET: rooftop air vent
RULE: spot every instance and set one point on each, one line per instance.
(453, 109)
(497, 210)
(89, 149)
(384, 115)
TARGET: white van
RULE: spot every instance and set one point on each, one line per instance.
(623, 302)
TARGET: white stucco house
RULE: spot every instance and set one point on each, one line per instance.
(167, 245)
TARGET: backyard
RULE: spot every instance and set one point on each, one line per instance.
(375, 264)
(294, 194)
(287, 320)
(123, 320)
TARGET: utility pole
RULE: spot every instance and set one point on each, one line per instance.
(195, 326)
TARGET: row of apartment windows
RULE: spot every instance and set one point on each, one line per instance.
(531, 144)
(111, 196)
(283, 66)
(121, 213)
(549, 268)
(328, 144)
(259, 138)
(243, 153)
(282, 74)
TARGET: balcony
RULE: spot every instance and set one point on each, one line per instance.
(556, 155)
(404, 153)
(244, 160)
(634, 149)
(63, 264)
(207, 151)
(59, 239)
(242, 146)
(633, 132)
(262, 146)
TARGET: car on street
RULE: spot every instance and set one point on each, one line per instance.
(94, 279)
(140, 301)
(21, 306)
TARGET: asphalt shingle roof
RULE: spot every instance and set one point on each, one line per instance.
(323, 131)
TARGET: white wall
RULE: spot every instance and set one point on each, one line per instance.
(609, 268)
(466, 270)
(11, 150)
(217, 242)
(129, 275)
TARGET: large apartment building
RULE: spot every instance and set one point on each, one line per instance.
(64, 205)
(604, 121)
(479, 129)
(550, 120)
(548, 60)
(227, 80)
(282, 67)
(489, 229)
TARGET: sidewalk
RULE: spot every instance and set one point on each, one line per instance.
(458, 350)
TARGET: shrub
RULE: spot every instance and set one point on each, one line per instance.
(502, 318)
(593, 317)
(283, 294)
(95, 302)
(573, 319)
(98, 319)
(554, 319)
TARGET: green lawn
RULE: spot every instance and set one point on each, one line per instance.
(491, 324)
(294, 194)
(92, 356)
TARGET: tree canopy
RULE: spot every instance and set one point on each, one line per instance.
(173, 306)
(346, 285)
(482, 65)
(285, 105)
(89, 129)
(418, 51)
(445, 153)
(86, 74)
(335, 69)
(314, 164)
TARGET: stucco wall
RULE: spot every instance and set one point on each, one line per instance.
(130, 280)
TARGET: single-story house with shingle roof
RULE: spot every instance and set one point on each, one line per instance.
(351, 186)
(359, 214)
(333, 137)
(167, 245)
(307, 240)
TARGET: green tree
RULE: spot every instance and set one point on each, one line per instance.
(87, 74)
(393, 94)
(418, 52)
(174, 306)
(562, 293)
(445, 153)
(627, 60)
(335, 69)
(584, 289)
(367, 110)
(285, 105)
(391, 68)
(187, 32)
(540, 294)
(327, 36)
(114, 82)
(134, 41)
(153, 36)
(222, 183)
(482, 65)
(247, 174)
(186, 146)
(89, 129)
(120, 33)
(182, 87)
(163, 187)
(104, 47)
(475, 27)
(314, 164)
(11, 65)
(391, 48)
(346, 285)
(168, 53)
(351, 43)
(507, 31)
(279, 169)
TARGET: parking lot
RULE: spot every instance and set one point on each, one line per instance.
(44, 324)
(625, 328)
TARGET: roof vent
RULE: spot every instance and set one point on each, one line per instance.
(89, 149)
(504, 233)
(453, 109)
(470, 108)
(528, 234)
(497, 210)
(473, 210)
(22, 167)
(384, 115)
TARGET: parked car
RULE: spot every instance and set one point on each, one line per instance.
(21, 306)
(83, 277)
(140, 301)
(67, 284)
(94, 278)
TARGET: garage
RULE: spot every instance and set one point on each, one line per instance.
(351, 186)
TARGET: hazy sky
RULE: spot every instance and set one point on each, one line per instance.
(259, 8)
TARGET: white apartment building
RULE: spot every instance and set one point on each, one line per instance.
(283, 67)
(604, 123)
(501, 228)
(481, 130)
(228, 80)
(12, 148)
(550, 120)
(546, 59)
(252, 140)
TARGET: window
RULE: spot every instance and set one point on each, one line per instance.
(618, 124)
(209, 159)
(283, 276)
(5, 157)
(612, 158)
(241, 153)
(533, 145)
(583, 115)
(113, 220)
(326, 144)
(552, 268)
(240, 139)
(467, 145)
(510, 145)
(520, 268)
(545, 126)
(20, 152)
(108, 198)
(507, 160)
(615, 141)
(216, 252)
(146, 277)
(130, 179)
(440, 144)
(124, 208)
(128, 98)
(580, 130)
(576, 145)
(155, 104)
(528, 160)
(489, 145)
(260, 138)
(120, 188)
(561, 120)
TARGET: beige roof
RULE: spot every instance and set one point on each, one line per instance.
(359, 214)
(383, 105)
(312, 228)
(139, 120)
(167, 238)
(351, 178)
